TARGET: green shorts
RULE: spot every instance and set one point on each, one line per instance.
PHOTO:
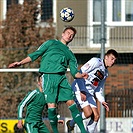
(56, 88)
(36, 127)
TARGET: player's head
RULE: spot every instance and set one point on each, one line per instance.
(39, 77)
(113, 52)
(68, 34)
(110, 57)
(39, 81)
(70, 28)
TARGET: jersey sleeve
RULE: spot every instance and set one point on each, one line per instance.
(73, 64)
(27, 99)
(40, 51)
(99, 92)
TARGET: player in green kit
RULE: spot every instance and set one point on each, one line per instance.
(34, 102)
(56, 57)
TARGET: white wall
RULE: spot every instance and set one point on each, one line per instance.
(113, 125)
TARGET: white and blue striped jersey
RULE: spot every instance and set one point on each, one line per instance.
(94, 83)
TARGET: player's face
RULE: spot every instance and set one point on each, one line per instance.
(110, 60)
(67, 36)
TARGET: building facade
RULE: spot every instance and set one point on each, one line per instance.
(118, 24)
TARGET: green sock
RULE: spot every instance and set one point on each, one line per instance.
(77, 117)
(53, 119)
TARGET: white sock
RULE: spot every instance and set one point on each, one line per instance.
(83, 115)
(91, 126)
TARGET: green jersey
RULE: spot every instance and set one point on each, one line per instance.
(34, 102)
(56, 57)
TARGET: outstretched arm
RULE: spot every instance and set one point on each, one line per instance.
(22, 62)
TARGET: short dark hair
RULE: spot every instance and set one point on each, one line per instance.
(71, 28)
(113, 52)
(39, 76)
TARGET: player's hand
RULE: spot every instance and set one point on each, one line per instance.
(20, 124)
(105, 105)
(83, 96)
(15, 64)
(85, 75)
(61, 122)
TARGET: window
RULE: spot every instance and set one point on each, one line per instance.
(116, 10)
(96, 10)
(129, 10)
(122, 10)
(47, 10)
(117, 13)
(96, 34)
(96, 23)
(9, 2)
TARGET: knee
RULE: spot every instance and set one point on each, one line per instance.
(70, 102)
(96, 117)
(88, 113)
(51, 105)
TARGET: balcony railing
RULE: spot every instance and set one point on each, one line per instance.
(89, 37)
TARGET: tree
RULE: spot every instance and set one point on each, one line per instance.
(21, 35)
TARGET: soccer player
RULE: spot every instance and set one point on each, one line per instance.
(56, 57)
(86, 90)
(34, 102)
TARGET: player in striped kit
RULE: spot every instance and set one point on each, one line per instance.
(86, 90)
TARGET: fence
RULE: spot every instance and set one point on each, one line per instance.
(120, 103)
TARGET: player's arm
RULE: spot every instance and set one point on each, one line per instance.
(22, 62)
(99, 95)
(74, 67)
(102, 100)
(27, 99)
(20, 124)
(105, 105)
(33, 56)
(81, 75)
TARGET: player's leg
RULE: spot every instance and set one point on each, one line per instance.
(52, 115)
(76, 115)
(31, 127)
(43, 128)
(66, 94)
(84, 105)
(94, 120)
(84, 108)
(98, 105)
(50, 87)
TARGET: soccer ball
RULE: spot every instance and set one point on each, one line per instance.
(66, 14)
